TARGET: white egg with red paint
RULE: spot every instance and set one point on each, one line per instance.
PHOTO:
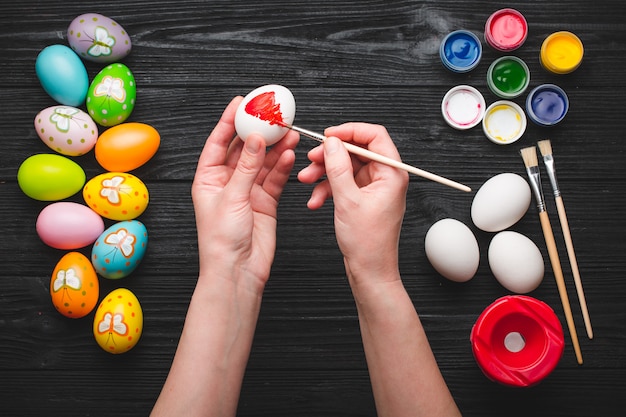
(67, 130)
(266, 111)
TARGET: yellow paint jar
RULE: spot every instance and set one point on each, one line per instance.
(561, 52)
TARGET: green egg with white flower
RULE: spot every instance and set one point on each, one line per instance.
(111, 95)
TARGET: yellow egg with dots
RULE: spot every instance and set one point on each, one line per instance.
(118, 321)
(116, 195)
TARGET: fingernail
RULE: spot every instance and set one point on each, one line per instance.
(331, 144)
(253, 146)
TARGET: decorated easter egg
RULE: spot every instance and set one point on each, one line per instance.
(127, 146)
(50, 177)
(116, 195)
(118, 321)
(111, 95)
(98, 38)
(265, 111)
(67, 130)
(62, 75)
(68, 225)
(74, 286)
(120, 249)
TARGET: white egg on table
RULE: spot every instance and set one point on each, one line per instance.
(452, 250)
(265, 111)
(516, 262)
(500, 202)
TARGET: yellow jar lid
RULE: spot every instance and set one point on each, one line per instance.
(561, 52)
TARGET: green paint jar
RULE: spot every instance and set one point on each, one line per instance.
(508, 77)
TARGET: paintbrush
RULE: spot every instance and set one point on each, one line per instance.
(545, 148)
(529, 155)
(382, 159)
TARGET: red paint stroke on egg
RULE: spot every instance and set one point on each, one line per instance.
(264, 107)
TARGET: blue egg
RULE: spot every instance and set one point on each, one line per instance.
(119, 249)
(62, 75)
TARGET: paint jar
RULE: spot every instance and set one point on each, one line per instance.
(561, 52)
(547, 105)
(504, 122)
(506, 30)
(463, 107)
(460, 51)
(517, 341)
(508, 77)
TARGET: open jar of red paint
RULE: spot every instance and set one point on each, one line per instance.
(506, 30)
(517, 341)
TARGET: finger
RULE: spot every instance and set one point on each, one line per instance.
(339, 170)
(248, 167)
(216, 146)
(320, 194)
(288, 142)
(311, 173)
(278, 176)
(374, 137)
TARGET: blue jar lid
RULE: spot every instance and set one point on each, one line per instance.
(460, 51)
(547, 105)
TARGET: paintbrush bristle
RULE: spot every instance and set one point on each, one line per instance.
(545, 147)
(529, 155)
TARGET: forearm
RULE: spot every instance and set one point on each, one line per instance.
(406, 380)
(208, 368)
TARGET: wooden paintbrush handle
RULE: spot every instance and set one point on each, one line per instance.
(574, 264)
(560, 282)
(408, 168)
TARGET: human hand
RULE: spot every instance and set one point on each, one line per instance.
(369, 198)
(235, 194)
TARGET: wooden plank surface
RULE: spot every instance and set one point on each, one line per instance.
(374, 61)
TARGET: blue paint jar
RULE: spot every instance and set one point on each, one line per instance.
(460, 51)
(547, 105)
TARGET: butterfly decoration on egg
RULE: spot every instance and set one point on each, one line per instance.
(66, 279)
(102, 43)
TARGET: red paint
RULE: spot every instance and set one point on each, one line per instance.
(506, 30)
(540, 328)
(264, 107)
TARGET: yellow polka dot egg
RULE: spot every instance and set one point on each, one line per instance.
(118, 321)
(116, 195)
(66, 130)
(119, 249)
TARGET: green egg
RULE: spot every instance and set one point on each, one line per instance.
(111, 95)
(50, 177)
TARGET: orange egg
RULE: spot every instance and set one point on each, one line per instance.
(74, 286)
(116, 195)
(118, 322)
(127, 146)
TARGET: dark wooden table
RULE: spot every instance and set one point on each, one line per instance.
(374, 61)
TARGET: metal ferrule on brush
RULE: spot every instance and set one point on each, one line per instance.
(535, 184)
(549, 162)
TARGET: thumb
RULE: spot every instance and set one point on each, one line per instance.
(248, 166)
(339, 169)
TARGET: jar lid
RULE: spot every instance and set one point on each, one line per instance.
(460, 51)
(561, 52)
(463, 107)
(508, 77)
(504, 122)
(517, 341)
(506, 30)
(547, 104)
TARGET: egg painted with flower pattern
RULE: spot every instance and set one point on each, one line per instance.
(66, 130)
(111, 95)
(98, 38)
(118, 321)
(119, 249)
(116, 195)
(74, 286)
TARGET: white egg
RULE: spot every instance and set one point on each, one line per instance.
(265, 111)
(452, 250)
(516, 262)
(500, 202)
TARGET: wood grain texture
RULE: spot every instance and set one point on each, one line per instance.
(374, 61)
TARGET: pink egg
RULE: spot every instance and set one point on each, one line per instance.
(67, 225)
(67, 130)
